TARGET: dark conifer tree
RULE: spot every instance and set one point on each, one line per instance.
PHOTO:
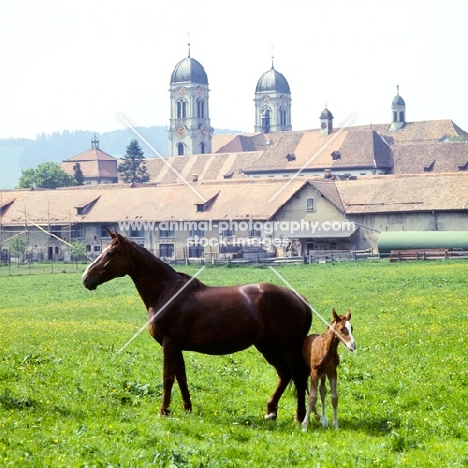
(78, 173)
(132, 168)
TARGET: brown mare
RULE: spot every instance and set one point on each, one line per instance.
(321, 355)
(211, 320)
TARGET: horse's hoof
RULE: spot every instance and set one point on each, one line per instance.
(271, 416)
(165, 412)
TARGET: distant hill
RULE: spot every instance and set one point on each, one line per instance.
(18, 154)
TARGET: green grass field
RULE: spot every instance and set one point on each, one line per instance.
(68, 399)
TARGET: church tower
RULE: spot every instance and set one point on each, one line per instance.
(190, 131)
(326, 123)
(272, 102)
(398, 112)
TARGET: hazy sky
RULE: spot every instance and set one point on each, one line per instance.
(77, 64)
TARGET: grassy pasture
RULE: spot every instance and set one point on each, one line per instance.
(68, 399)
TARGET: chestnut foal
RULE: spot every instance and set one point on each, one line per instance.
(320, 353)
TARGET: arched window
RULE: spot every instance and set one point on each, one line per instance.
(200, 108)
(202, 147)
(395, 116)
(402, 116)
(282, 113)
(180, 149)
(182, 109)
(266, 120)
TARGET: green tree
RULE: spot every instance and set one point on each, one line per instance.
(77, 250)
(78, 173)
(46, 175)
(18, 246)
(132, 168)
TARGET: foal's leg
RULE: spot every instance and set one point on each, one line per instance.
(323, 393)
(311, 407)
(274, 357)
(333, 379)
(173, 367)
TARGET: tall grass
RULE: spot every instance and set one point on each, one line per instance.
(67, 398)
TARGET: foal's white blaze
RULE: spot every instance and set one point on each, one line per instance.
(351, 345)
(85, 273)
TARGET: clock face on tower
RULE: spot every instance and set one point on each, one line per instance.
(202, 131)
(181, 131)
(181, 90)
(324, 125)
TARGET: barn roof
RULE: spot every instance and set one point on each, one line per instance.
(438, 157)
(205, 166)
(404, 193)
(248, 198)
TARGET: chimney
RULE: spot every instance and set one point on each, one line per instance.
(327, 174)
(194, 177)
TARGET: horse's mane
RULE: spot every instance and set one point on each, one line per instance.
(163, 265)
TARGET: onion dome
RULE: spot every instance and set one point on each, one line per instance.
(189, 70)
(273, 80)
(398, 100)
(326, 115)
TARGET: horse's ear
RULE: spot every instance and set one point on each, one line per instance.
(112, 234)
(348, 315)
(119, 237)
(335, 317)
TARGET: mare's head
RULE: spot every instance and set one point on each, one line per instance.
(342, 325)
(114, 261)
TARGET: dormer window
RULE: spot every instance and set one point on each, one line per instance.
(464, 167)
(430, 167)
(336, 155)
(204, 206)
(291, 157)
(83, 209)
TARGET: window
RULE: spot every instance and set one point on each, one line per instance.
(180, 149)
(137, 233)
(255, 233)
(200, 109)
(196, 232)
(196, 251)
(77, 231)
(88, 248)
(282, 113)
(181, 109)
(266, 121)
(97, 248)
(166, 250)
(56, 231)
(227, 233)
(104, 232)
(202, 148)
(310, 204)
(166, 233)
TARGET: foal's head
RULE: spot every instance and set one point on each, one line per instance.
(342, 326)
(114, 261)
